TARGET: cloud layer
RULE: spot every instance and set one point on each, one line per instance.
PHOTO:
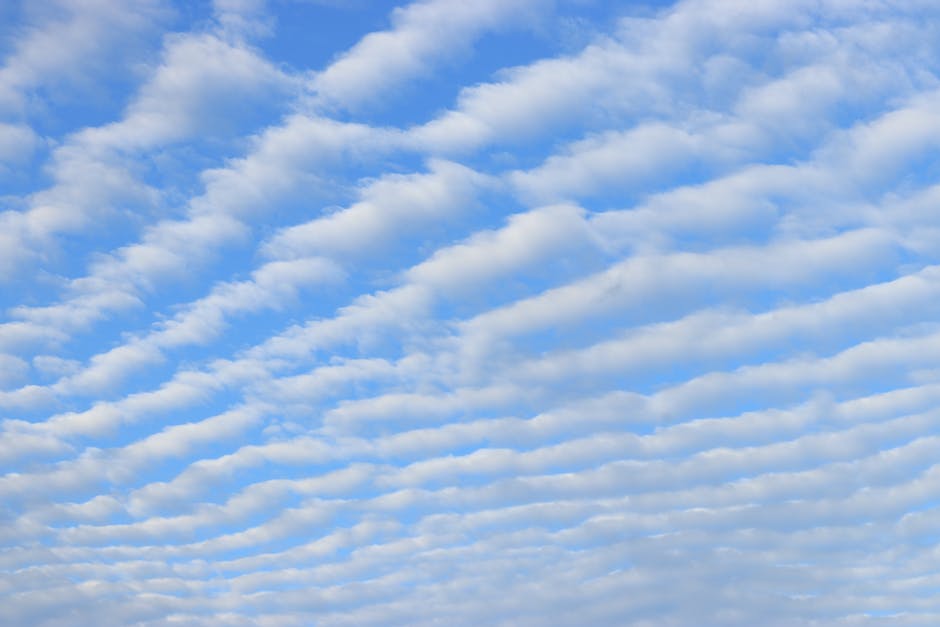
(505, 313)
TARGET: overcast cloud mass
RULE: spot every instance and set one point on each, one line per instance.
(490, 312)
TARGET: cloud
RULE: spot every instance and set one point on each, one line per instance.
(191, 89)
(390, 208)
(17, 143)
(422, 35)
(638, 331)
(203, 86)
(71, 42)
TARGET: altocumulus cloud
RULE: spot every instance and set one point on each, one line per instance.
(513, 312)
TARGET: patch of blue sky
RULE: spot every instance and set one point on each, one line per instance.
(309, 35)
(21, 177)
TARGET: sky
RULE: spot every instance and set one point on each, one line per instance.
(503, 312)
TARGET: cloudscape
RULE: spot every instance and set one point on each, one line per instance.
(469, 312)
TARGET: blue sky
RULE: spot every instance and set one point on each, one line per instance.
(504, 312)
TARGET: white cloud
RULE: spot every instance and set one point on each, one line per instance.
(422, 35)
(203, 86)
(391, 208)
(17, 143)
(193, 88)
(12, 370)
(71, 42)
(656, 343)
(527, 239)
